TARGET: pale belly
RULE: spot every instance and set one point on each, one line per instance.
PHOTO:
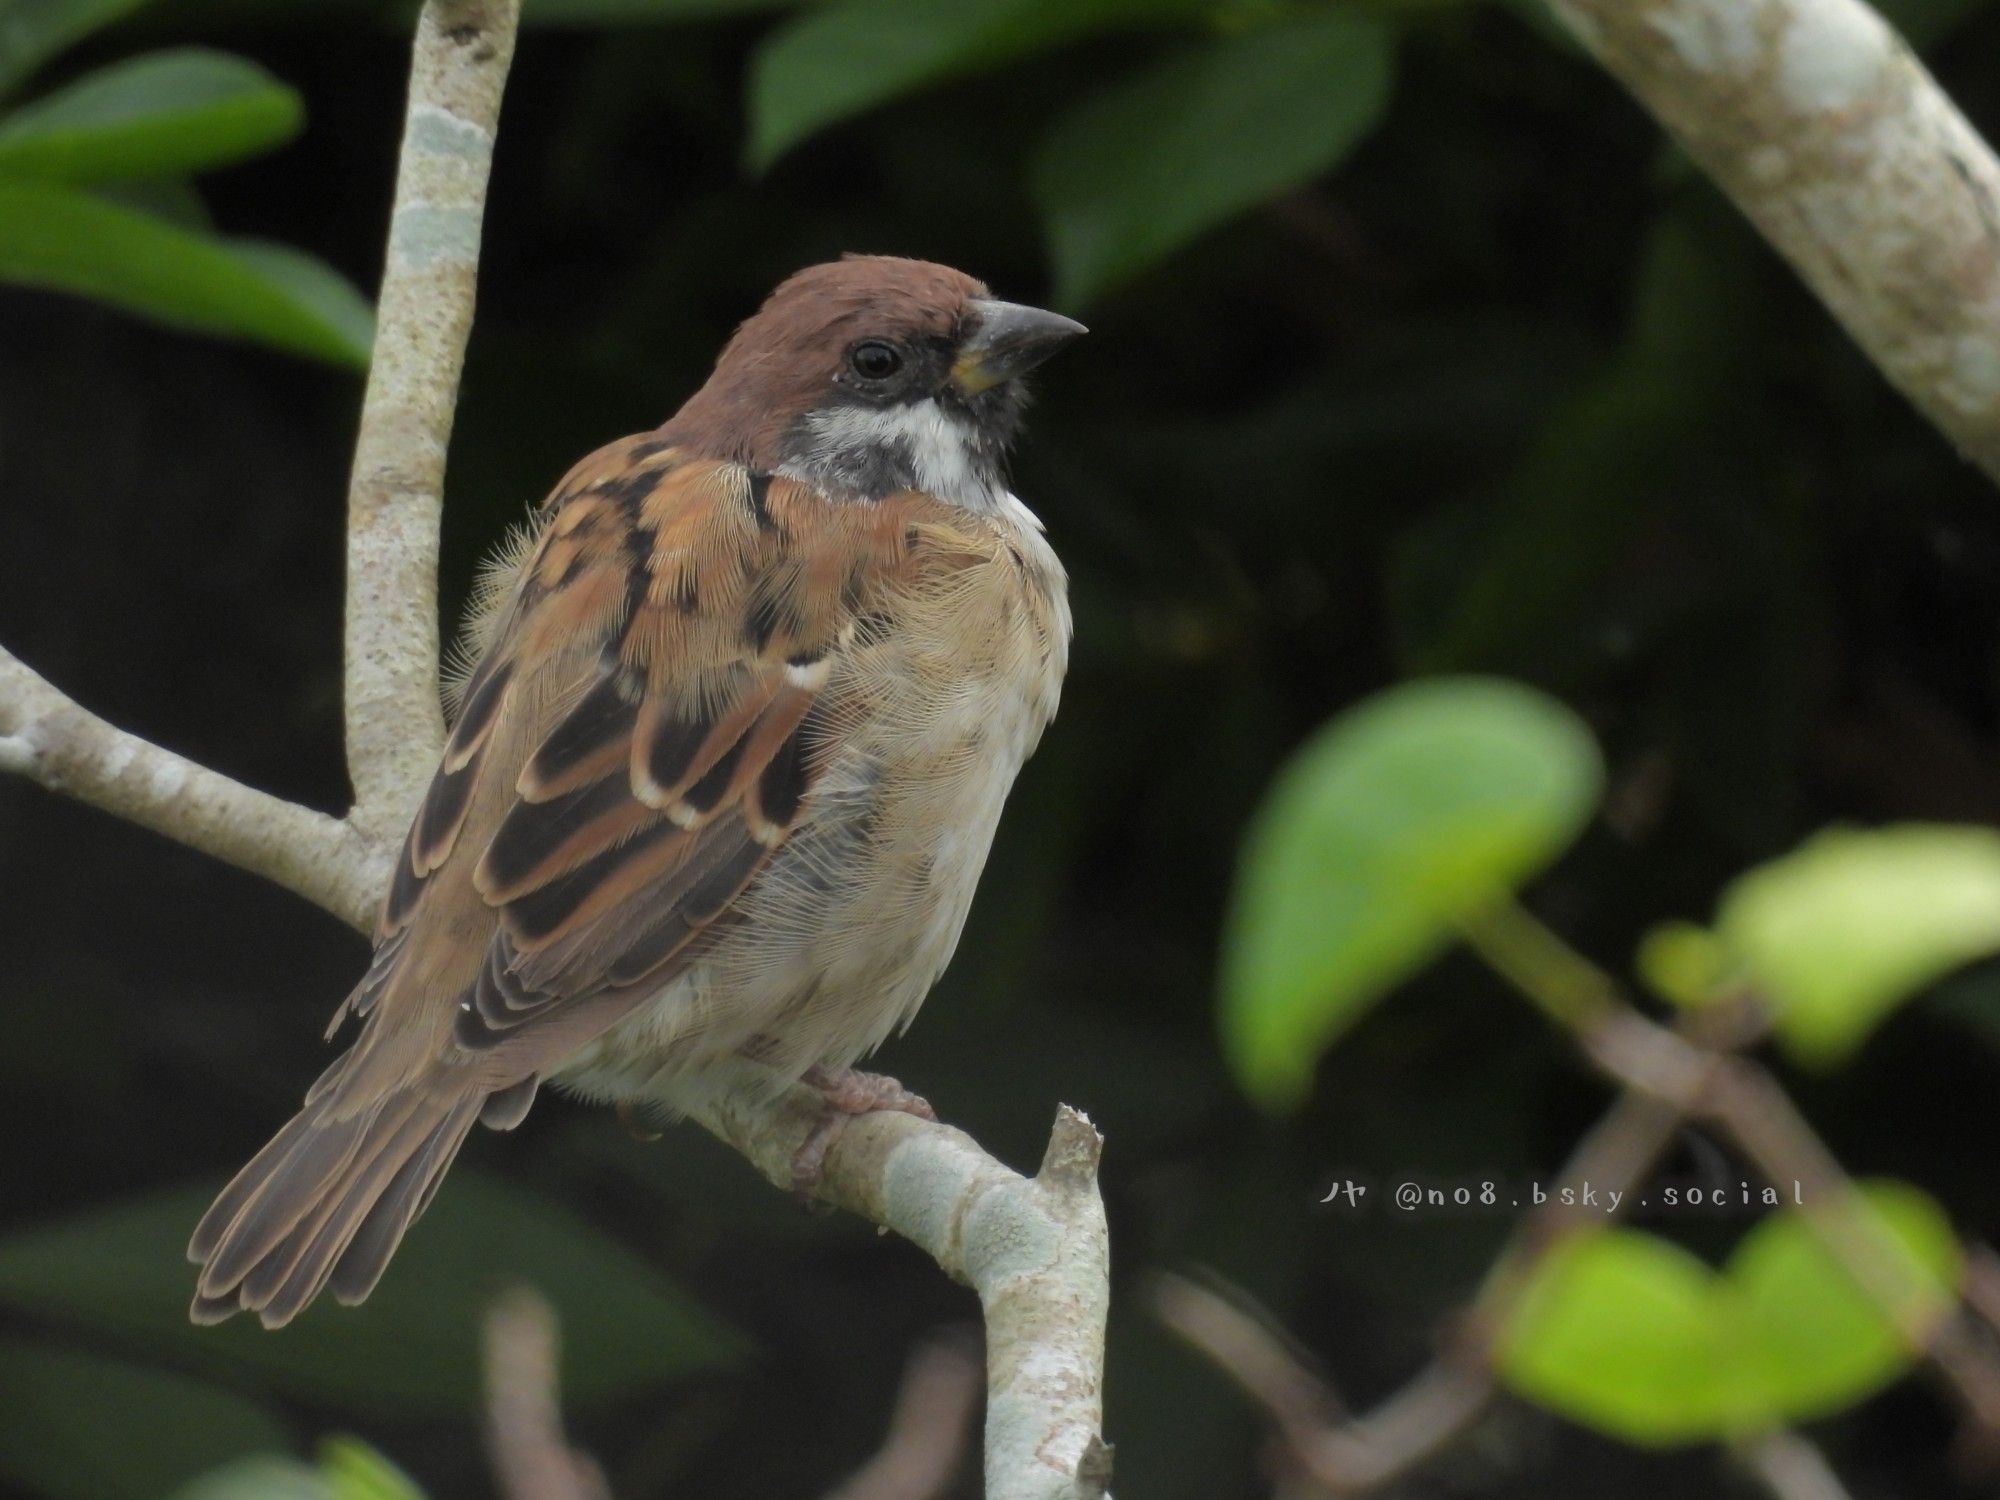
(843, 935)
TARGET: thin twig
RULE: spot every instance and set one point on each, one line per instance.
(1747, 1104)
(928, 1429)
(1340, 1455)
(531, 1458)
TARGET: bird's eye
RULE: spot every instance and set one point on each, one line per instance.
(875, 360)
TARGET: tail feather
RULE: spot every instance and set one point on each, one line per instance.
(401, 1204)
(327, 1201)
(266, 1198)
(285, 1262)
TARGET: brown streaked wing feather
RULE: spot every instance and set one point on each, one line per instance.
(606, 885)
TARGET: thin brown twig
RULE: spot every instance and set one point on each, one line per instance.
(1342, 1455)
(531, 1458)
(929, 1427)
(1748, 1106)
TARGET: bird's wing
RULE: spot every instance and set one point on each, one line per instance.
(662, 689)
(636, 743)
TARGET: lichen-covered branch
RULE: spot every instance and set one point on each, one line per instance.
(1035, 1249)
(395, 724)
(49, 739)
(1831, 136)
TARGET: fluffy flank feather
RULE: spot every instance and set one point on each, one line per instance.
(493, 587)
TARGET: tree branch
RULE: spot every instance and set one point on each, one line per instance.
(395, 722)
(1035, 1249)
(1831, 136)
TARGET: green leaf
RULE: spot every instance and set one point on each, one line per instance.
(1635, 1337)
(839, 60)
(1629, 1334)
(1405, 814)
(348, 1469)
(315, 287)
(1682, 963)
(1823, 1342)
(168, 199)
(31, 31)
(64, 240)
(1146, 166)
(414, 1345)
(155, 116)
(355, 1471)
(77, 1426)
(1839, 933)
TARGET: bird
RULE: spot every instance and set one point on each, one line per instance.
(745, 701)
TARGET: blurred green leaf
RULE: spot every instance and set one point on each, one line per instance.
(414, 1345)
(1629, 1334)
(348, 1469)
(315, 287)
(155, 116)
(64, 240)
(356, 1471)
(77, 1426)
(1400, 817)
(1634, 1336)
(32, 31)
(1150, 163)
(1839, 933)
(1683, 963)
(1824, 1343)
(167, 198)
(841, 59)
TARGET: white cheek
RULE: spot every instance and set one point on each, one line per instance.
(939, 446)
(943, 454)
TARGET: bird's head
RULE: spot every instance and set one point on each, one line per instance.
(870, 375)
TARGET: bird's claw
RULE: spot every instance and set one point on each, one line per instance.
(845, 1094)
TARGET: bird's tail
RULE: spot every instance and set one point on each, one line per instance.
(327, 1201)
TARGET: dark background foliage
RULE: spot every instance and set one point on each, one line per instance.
(1511, 391)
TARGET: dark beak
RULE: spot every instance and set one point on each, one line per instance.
(1007, 340)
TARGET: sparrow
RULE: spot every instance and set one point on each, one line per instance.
(746, 702)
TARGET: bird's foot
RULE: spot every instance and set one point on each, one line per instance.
(636, 1123)
(845, 1094)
